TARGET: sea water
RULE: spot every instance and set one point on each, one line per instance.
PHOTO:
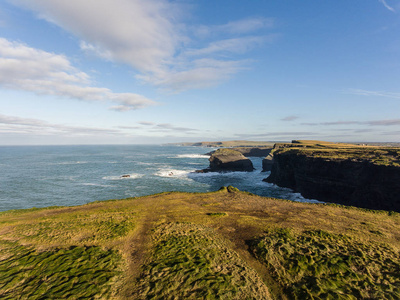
(39, 176)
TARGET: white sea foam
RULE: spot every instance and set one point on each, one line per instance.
(126, 176)
(95, 184)
(220, 174)
(68, 163)
(172, 173)
(192, 156)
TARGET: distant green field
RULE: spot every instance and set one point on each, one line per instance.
(220, 245)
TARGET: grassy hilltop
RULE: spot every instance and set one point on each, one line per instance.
(221, 245)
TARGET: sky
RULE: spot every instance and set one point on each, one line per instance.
(159, 71)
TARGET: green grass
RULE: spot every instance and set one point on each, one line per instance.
(320, 265)
(73, 273)
(192, 262)
(195, 245)
(79, 227)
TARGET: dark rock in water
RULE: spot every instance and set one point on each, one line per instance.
(126, 176)
(348, 181)
(223, 160)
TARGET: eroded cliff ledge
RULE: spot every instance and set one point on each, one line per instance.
(367, 177)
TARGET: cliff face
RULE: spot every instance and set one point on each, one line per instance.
(355, 182)
(254, 151)
(228, 160)
(267, 162)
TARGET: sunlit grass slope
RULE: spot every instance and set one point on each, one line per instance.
(222, 245)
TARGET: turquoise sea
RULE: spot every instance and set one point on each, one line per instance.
(39, 176)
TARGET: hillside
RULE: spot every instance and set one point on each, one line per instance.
(220, 245)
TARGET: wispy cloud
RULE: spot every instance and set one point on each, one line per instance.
(29, 69)
(269, 135)
(37, 127)
(147, 123)
(392, 122)
(204, 73)
(13, 124)
(387, 6)
(373, 93)
(290, 118)
(384, 122)
(246, 25)
(147, 35)
(333, 123)
(235, 45)
(165, 127)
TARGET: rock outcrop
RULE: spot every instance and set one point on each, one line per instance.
(223, 160)
(369, 179)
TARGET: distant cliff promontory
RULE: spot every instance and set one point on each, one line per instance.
(228, 144)
(353, 175)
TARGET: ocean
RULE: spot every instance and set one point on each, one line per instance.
(40, 176)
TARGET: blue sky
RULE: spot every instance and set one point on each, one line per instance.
(157, 71)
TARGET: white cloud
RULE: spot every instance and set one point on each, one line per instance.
(136, 32)
(147, 35)
(41, 72)
(387, 6)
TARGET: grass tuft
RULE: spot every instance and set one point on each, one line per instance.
(320, 265)
(192, 262)
(84, 272)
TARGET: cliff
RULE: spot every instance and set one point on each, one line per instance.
(228, 160)
(268, 162)
(365, 177)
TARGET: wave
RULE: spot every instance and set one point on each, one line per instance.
(124, 176)
(95, 184)
(69, 163)
(192, 156)
(172, 173)
(220, 174)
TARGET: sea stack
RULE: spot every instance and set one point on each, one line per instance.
(225, 160)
